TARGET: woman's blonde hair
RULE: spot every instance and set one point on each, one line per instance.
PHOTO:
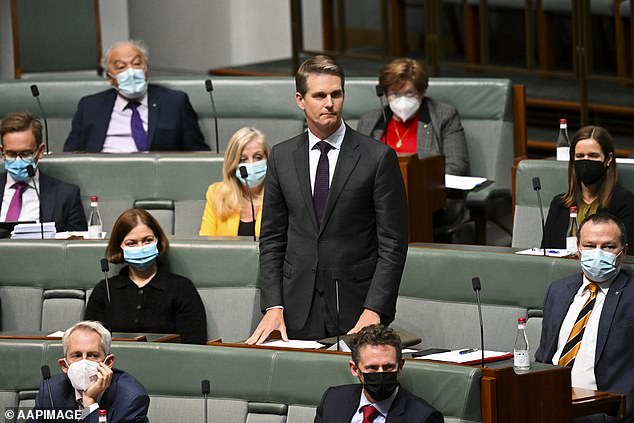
(227, 200)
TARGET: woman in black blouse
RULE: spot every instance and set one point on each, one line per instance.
(144, 296)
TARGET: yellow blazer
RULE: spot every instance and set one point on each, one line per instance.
(212, 225)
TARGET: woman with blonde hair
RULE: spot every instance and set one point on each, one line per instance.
(228, 209)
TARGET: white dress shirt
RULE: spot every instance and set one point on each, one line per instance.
(335, 140)
(119, 135)
(583, 368)
(30, 203)
(382, 406)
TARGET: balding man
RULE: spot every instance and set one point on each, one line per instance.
(134, 116)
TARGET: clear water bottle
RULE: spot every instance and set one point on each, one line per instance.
(573, 230)
(95, 226)
(521, 358)
(103, 416)
(563, 142)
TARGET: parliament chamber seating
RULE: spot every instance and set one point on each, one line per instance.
(553, 175)
(485, 107)
(247, 385)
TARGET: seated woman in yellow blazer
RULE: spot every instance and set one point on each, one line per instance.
(228, 209)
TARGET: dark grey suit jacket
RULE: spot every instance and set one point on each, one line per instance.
(445, 136)
(362, 242)
(614, 355)
(61, 203)
(339, 404)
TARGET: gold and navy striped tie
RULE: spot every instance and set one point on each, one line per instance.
(573, 344)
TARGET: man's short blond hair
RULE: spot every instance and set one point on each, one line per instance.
(89, 325)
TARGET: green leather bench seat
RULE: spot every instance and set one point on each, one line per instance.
(249, 385)
(554, 180)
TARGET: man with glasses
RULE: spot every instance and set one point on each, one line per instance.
(588, 322)
(21, 147)
(134, 115)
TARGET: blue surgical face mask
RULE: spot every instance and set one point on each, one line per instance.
(256, 172)
(17, 168)
(132, 83)
(599, 265)
(141, 257)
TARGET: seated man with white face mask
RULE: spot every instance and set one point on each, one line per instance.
(89, 383)
(588, 320)
(134, 116)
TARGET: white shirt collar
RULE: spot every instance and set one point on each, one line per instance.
(603, 286)
(335, 139)
(29, 182)
(383, 406)
(121, 102)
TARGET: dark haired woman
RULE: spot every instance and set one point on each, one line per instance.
(145, 297)
(592, 187)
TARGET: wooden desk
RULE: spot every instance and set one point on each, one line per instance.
(116, 336)
(586, 402)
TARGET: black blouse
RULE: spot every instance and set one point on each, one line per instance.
(169, 303)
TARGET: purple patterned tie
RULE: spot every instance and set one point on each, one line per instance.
(322, 176)
(15, 206)
(136, 124)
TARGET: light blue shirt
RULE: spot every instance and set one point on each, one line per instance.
(382, 406)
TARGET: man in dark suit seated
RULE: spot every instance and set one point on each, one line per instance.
(588, 320)
(89, 383)
(376, 362)
(134, 116)
(331, 253)
(22, 147)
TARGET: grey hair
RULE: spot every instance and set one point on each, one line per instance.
(136, 43)
(90, 325)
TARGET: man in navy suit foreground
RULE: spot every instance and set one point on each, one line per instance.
(376, 362)
(21, 147)
(89, 383)
(588, 320)
(134, 116)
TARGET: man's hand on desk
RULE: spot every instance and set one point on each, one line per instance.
(273, 320)
(367, 318)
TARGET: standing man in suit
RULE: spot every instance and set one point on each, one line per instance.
(376, 362)
(588, 320)
(334, 222)
(89, 383)
(133, 116)
(22, 146)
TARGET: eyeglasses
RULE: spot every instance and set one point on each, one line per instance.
(24, 155)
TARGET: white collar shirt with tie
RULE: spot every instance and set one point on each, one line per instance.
(30, 203)
(119, 135)
(335, 140)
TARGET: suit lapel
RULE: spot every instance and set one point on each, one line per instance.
(607, 314)
(560, 313)
(302, 168)
(154, 106)
(346, 162)
(48, 193)
(3, 182)
(103, 120)
(399, 405)
(351, 402)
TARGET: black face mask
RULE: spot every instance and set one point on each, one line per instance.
(380, 385)
(589, 171)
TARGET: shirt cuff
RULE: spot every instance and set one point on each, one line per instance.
(271, 308)
(89, 410)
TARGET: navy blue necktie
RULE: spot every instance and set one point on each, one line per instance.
(136, 125)
(322, 180)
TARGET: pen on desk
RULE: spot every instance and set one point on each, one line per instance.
(467, 351)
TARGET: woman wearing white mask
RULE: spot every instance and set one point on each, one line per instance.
(414, 123)
(228, 208)
(145, 297)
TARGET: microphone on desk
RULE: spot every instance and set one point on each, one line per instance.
(475, 282)
(36, 93)
(105, 268)
(337, 306)
(537, 186)
(244, 174)
(31, 172)
(379, 94)
(206, 389)
(210, 88)
(46, 375)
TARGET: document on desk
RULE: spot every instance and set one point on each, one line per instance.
(465, 183)
(550, 252)
(472, 357)
(293, 343)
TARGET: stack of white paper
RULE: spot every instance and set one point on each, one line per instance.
(33, 231)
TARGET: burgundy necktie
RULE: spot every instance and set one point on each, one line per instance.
(322, 184)
(15, 206)
(369, 413)
(136, 125)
